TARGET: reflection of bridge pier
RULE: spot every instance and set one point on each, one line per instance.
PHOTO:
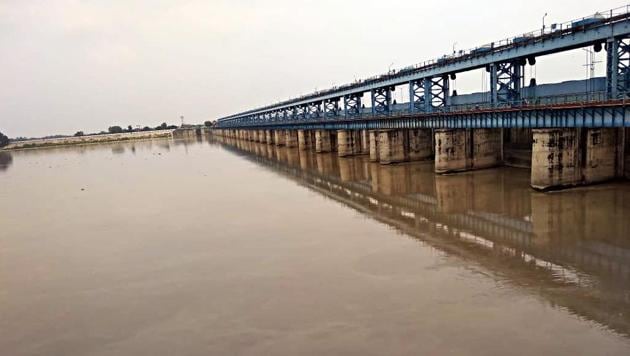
(555, 242)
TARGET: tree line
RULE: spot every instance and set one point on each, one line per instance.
(4, 140)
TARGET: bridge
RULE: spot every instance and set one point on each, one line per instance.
(573, 132)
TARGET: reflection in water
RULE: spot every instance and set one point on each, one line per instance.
(118, 149)
(6, 159)
(570, 247)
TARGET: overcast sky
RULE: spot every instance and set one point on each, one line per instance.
(69, 65)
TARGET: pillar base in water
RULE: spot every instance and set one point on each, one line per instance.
(325, 141)
(348, 143)
(458, 150)
(402, 145)
(278, 137)
(305, 140)
(291, 138)
(269, 137)
(567, 157)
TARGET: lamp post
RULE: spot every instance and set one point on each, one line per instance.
(543, 21)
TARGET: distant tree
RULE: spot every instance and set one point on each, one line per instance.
(4, 140)
(115, 129)
(171, 127)
(146, 128)
(79, 133)
(129, 128)
(208, 124)
(164, 126)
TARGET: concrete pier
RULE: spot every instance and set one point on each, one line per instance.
(365, 142)
(373, 145)
(391, 146)
(348, 143)
(269, 137)
(262, 138)
(278, 137)
(403, 145)
(306, 140)
(567, 157)
(325, 141)
(458, 150)
(290, 138)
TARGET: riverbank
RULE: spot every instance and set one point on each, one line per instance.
(89, 139)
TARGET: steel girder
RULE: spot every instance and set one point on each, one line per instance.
(417, 102)
(618, 68)
(614, 115)
(313, 110)
(381, 100)
(352, 104)
(436, 93)
(506, 82)
(331, 108)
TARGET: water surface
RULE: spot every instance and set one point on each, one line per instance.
(203, 247)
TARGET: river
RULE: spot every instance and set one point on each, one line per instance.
(223, 247)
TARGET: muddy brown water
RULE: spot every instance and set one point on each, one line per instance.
(221, 247)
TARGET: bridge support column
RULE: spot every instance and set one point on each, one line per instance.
(305, 140)
(566, 157)
(420, 144)
(374, 150)
(348, 143)
(391, 146)
(262, 138)
(278, 137)
(325, 141)
(269, 137)
(458, 150)
(404, 145)
(365, 142)
(291, 138)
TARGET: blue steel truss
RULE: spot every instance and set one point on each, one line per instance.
(314, 110)
(331, 108)
(506, 82)
(436, 93)
(352, 105)
(505, 60)
(596, 114)
(417, 102)
(381, 100)
(618, 68)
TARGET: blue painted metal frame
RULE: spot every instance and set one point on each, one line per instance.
(547, 43)
(610, 114)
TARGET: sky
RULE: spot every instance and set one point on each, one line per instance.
(70, 65)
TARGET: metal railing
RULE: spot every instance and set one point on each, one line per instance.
(533, 103)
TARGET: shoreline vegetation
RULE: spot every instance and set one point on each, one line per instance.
(87, 139)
